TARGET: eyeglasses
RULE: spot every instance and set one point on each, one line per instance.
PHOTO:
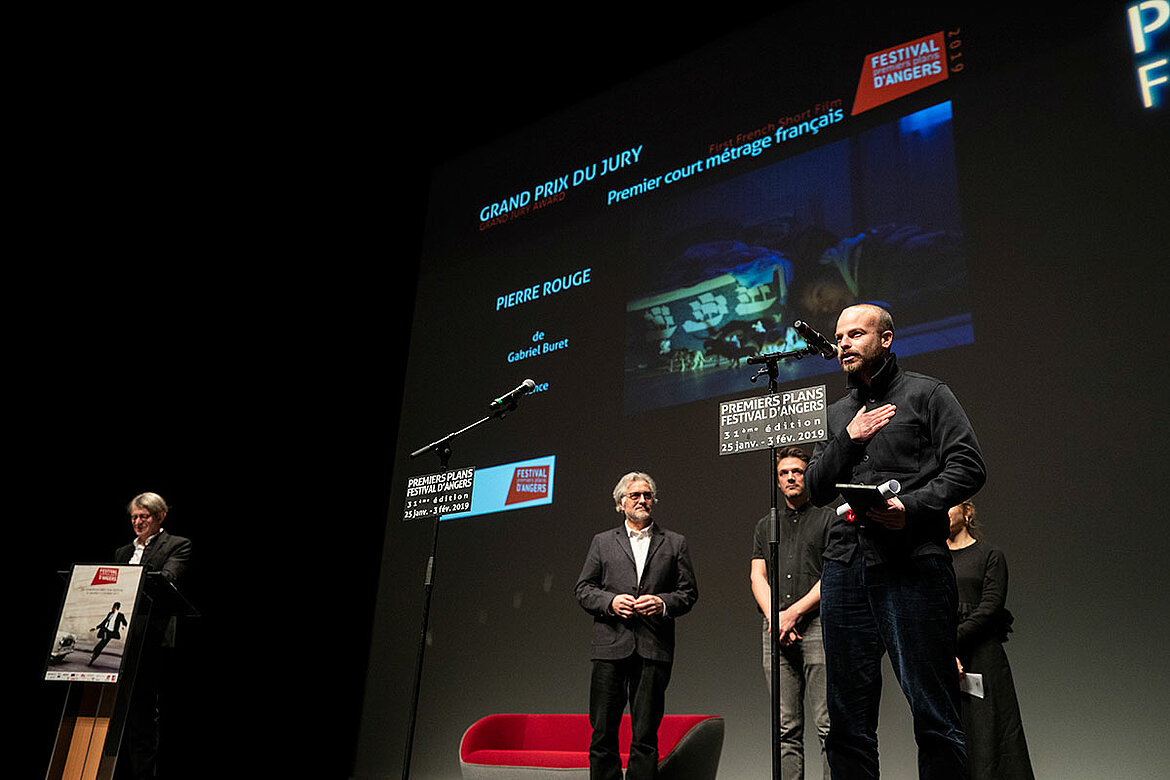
(635, 496)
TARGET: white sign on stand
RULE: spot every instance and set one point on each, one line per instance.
(438, 494)
(774, 420)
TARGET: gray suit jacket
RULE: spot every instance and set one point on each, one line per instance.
(610, 569)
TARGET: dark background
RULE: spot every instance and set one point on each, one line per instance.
(222, 220)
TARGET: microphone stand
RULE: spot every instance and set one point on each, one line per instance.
(442, 448)
(770, 367)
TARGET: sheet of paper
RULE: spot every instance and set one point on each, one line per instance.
(972, 684)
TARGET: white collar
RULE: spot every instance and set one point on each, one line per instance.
(645, 533)
(144, 545)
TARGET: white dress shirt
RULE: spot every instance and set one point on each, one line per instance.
(139, 548)
(640, 541)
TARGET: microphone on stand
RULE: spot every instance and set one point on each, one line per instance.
(815, 340)
(527, 386)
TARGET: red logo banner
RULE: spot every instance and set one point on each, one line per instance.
(528, 484)
(895, 72)
(105, 575)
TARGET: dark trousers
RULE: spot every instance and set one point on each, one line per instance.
(138, 758)
(642, 683)
(99, 647)
(908, 608)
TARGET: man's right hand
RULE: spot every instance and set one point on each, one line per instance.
(622, 605)
(866, 423)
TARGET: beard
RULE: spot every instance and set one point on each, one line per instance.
(866, 365)
(638, 516)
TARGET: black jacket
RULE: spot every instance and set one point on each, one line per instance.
(610, 569)
(171, 556)
(116, 632)
(928, 446)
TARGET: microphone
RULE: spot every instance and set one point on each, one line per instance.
(815, 340)
(527, 386)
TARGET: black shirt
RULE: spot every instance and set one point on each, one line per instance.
(804, 533)
(981, 575)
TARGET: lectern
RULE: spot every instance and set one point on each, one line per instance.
(97, 650)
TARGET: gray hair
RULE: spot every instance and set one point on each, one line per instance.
(619, 492)
(151, 502)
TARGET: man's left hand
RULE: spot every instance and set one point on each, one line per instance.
(649, 605)
(892, 515)
(791, 637)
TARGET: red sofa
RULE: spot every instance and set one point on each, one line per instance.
(556, 746)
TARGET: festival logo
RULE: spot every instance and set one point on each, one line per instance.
(896, 72)
(508, 486)
(528, 484)
(105, 575)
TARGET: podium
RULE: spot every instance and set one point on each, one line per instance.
(110, 619)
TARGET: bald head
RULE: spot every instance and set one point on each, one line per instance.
(883, 320)
(864, 335)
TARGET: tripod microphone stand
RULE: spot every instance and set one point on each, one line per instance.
(442, 448)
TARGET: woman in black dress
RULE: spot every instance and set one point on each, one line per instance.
(996, 747)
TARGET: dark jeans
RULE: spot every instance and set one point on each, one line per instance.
(643, 684)
(908, 608)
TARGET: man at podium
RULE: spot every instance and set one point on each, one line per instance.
(157, 551)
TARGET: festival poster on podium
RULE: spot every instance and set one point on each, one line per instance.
(94, 623)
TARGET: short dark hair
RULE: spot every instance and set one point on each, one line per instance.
(791, 451)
